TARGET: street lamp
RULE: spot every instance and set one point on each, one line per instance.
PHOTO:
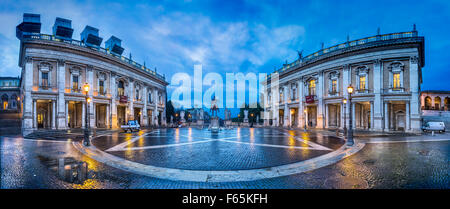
(86, 141)
(345, 117)
(305, 111)
(350, 141)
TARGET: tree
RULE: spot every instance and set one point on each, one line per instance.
(170, 111)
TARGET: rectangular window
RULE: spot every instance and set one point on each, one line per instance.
(45, 79)
(362, 82)
(334, 86)
(312, 87)
(137, 94)
(150, 98)
(396, 81)
(101, 87)
(75, 82)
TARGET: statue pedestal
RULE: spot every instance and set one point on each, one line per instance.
(200, 122)
(214, 126)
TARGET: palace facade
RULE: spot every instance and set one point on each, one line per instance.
(385, 71)
(55, 68)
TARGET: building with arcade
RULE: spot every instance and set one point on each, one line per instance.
(385, 71)
(55, 69)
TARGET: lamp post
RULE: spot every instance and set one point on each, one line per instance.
(305, 111)
(350, 141)
(86, 140)
(345, 117)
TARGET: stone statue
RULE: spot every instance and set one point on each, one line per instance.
(245, 116)
(182, 116)
(214, 107)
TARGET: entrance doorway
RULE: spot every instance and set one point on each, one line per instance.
(75, 114)
(137, 115)
(100, 115)
(312, 116)
(44, 114)
(121, 115)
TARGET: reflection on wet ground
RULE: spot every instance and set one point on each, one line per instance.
(235, 149)
(390, 165)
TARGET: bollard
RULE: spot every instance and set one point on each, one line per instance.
(61, 170)
(432, 133)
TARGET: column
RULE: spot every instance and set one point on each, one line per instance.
(345, 83)
(53, 114)
(144, 110)
(107, 122)
(320, 107)
(354, 115)
(29, 106)
(286, 109)
(377, 86)
(90, 80)
(386, 116)
(327, 116)
(408, 117)
(414, 88)
(113, 92)
(130, 100)
(371, 116)
(155, 117)
(34, 114)
(300, 103)
(61, 109)
(83, 114)
(164, 120)
(66, 114)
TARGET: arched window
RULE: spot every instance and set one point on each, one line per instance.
(437, 103)
(120, 89)
(427, 103)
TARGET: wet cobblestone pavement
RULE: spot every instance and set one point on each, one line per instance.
(377, 165)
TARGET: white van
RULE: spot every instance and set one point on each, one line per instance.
(434, 126)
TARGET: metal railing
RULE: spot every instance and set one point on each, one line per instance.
(343, 46)
(40, 36)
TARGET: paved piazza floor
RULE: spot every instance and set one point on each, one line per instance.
(234, 158)
(234, 149)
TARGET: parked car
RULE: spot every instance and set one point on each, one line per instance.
(434, 126)
(131, 126)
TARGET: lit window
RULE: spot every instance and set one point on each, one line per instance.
(396, 80)
(334, 86)
(120, 90)
(362, 82)
(137, 94)
(75, 82)
(101, 87)
(312, 87)
(44, 79)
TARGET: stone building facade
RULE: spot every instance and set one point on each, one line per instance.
(385, 71)
(54, 71)
(435, 106)
(10, 94)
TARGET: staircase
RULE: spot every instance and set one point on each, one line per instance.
(10, 123)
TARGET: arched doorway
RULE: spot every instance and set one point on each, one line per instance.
(427, 103)
(447, 103)
(437, 103)
(4, 101)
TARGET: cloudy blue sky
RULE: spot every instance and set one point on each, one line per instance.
(235, 36)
